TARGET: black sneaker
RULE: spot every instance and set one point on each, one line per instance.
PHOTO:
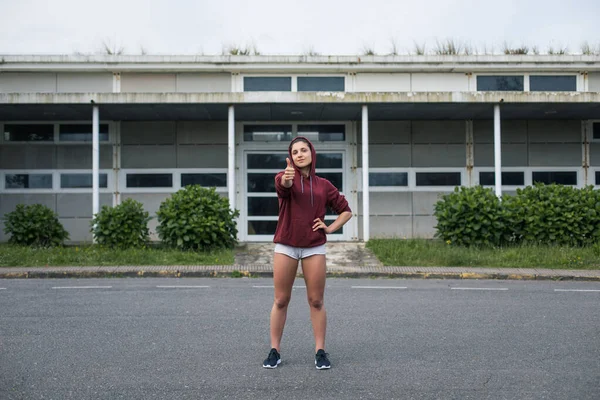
(321, 360)
(273, 360)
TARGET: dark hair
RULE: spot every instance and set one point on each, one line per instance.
(299, 139)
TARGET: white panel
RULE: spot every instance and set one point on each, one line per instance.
(391, 227)
(512, 131)
(594, 82)
(513, 155)
(71, 205)
(383, 156)
(387, 132)
(595, 154)
(28, 156)
(439, 155)
(3, 236)
(78, 228)
(366, 82)
(193, 132)
(201, 83)
(388, 203)
(148, 83)
(550, 155)
(424, 226)
(8, 202)
(554, 131)
(156, 132)
(84, 82)
(80, 156)
(439, 132)
(424, 202)
(202, 156)
(27, 82)
(435, 82)
(149, 157)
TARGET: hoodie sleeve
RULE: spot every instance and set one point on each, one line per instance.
(281, 190)
(335, 200)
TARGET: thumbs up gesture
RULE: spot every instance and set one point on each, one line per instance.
(288, 175)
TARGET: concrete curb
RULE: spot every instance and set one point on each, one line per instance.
(255, 271)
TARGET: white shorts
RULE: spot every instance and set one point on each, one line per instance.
(298, 253)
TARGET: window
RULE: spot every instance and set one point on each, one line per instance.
(29, 132)
(438, 179)
(558, 177)
(321, 84)
(263, 183)
(329, 160)
(262, 227)
(323, 133)
(596, 130)
(81, 132)
(206, 180)
(500, 83)
(267, 84)
(263, 206)
(268, 161)
(508, 178)
(267, 133)
(597, 178)
(149, 180)
(336, 179)
(388, 178)
(553, 83)
(81, 181)
(28, 181)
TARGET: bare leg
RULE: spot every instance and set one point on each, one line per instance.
(284, 273)
(313, 269)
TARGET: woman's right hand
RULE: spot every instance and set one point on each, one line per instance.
(288, 175)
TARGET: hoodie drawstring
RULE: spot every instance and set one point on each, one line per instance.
(311, 190)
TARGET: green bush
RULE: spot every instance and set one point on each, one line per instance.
(197, 218)
(470, 216)
(34, 225)
(554, 214)
(123, 226)
(539, 214)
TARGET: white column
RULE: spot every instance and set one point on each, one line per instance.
(365, 171)
(95, 160)
(497, 150)
(231, 158)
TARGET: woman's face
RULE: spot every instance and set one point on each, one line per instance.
(301, 154)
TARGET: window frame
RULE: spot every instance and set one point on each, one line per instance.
(522, 74)
(528, 76)
(591, 138)
(578, 170)
(526, 177)
(252, 145)
(56, 138)
(412, 179)
(294, 78)
(56, 173)
(176, 178)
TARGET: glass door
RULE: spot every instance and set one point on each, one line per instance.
(261, 203)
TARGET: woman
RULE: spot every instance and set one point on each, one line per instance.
(301, 235)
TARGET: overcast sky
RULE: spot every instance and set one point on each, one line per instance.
(291, 26)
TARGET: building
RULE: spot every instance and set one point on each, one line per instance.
(424, 123)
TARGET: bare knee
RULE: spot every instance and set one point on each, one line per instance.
(282, 302)
(316, 303)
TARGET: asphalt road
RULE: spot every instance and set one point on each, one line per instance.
(145, 338)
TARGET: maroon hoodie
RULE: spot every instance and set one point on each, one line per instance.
(302, 203)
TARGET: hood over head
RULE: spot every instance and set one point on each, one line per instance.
(313, 154)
